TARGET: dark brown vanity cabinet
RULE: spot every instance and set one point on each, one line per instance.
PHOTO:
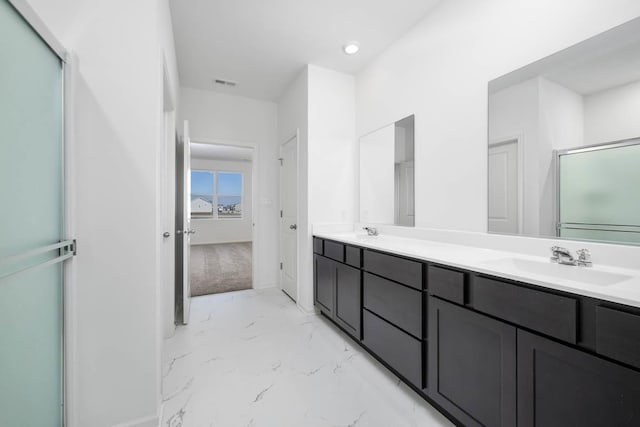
(561, 386)
(486, 351)
(393, 313)
(324, 280)
(338, 288)
(472, 365)
(503, 353)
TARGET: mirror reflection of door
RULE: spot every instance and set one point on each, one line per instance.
(503, 187)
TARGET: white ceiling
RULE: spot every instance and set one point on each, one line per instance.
(602, 62)
(602, 71)
(263, 45)
(220, 152)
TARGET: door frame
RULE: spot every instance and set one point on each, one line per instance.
(69, 72)
(518, 139)
(255, 192)
(295, 136)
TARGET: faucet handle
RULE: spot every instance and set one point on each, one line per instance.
(371, 231)
(584, 258)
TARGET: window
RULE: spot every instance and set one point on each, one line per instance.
(216, 194)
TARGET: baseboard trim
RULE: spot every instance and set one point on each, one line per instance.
(265, 286)
(150, 421)
(307, 311)
(220, 243)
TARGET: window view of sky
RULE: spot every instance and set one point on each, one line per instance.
(226, 201)
(228, 182)
(201, 182)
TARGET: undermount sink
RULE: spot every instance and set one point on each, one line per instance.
(589, 275)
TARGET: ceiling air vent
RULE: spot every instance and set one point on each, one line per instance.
(224, 82)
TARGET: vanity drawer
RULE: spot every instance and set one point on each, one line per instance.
(395, 303)
(397, 348)
(618, 335)
(334, 250)
(353, 256)
(547, 313)
(446, 284)
(318, 246)
(401, 270)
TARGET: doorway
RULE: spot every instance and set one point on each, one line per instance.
(222, 218)
(289, 217)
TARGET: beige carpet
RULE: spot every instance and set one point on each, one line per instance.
(219, 268)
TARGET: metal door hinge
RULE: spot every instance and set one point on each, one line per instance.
(281, 160)
(280, 266)
(280, 213)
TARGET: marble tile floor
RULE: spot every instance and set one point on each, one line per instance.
(253, 359)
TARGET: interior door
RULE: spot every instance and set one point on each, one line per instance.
(186, 224)
(32, 244)
(183, 227)
(289, 217)
(503, 188)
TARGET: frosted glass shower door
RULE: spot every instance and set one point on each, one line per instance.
(600, 193)
(32, 246)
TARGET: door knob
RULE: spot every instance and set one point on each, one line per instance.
(293, 226)
(166, 234)
(191, 232)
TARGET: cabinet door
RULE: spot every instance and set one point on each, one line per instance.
(348, 309)
(472, 365)
(324, 272)
(562, 386)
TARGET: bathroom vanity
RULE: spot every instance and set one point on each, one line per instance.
(489, 337)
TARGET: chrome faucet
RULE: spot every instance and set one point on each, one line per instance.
(563, 256)
(371, 231)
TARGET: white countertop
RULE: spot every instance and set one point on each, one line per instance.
(619, 285)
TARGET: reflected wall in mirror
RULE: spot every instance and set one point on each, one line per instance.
(564, 143)
(387, 174)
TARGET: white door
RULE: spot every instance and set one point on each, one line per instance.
(167, 218)
(186, 224)
(503, 188)
(289, 217)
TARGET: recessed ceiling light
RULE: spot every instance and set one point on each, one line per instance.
(351, 48)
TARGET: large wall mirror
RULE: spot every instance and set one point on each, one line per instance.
(564, 143)
(387, 174)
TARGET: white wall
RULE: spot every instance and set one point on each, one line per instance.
(561, 115)
(377, 151)
(293, 119)
(320, 106)
(611, 115)
(114, 333)
(515, 115)
(225, 230)
(332, 154)
(440, 71)
(544, 116)
(222, 118)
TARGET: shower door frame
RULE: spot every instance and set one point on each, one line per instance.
(593, 147)
(68, 70)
